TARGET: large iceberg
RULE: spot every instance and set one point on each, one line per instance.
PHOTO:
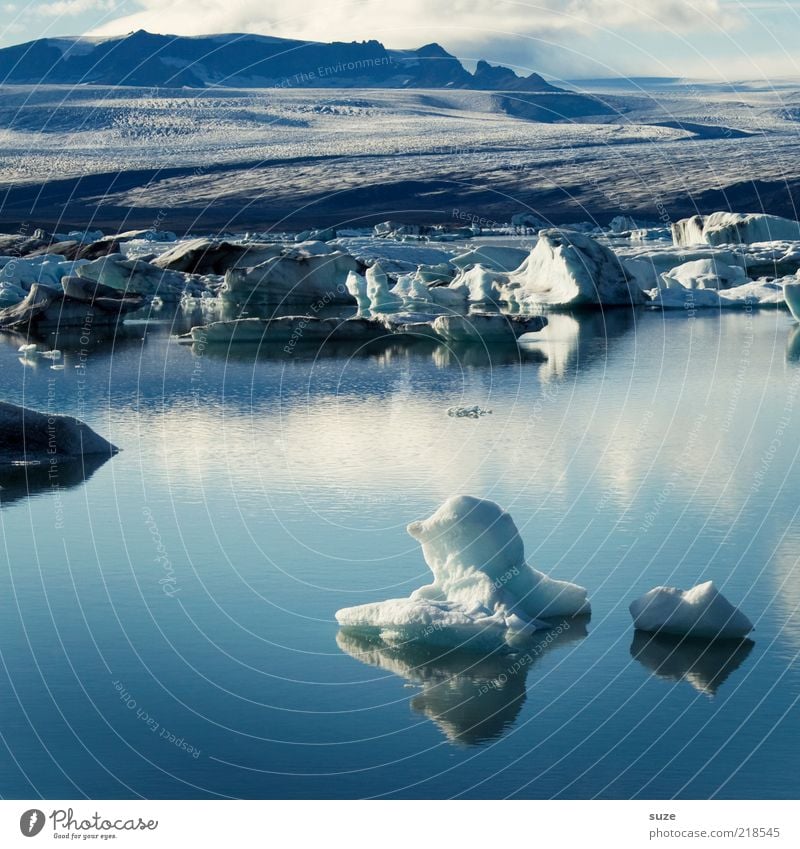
(486, 328)
(701, 611)
(728, 228)
(134, 276)
(564, 269)
(295, 277)
(705, 274)
(483, 596)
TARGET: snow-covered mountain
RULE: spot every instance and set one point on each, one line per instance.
(242, 60)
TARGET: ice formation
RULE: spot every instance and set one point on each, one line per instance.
(564, 269)
(755, 294)
(483, 595)
(291, 331)
(133, 276)
(295, 277)
(486, 328)
(473, 412)
(728, 228)
(699, 612)
(705, 274)
(494, 257)
(28, 436)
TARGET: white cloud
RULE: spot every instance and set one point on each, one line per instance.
(410, 23)
(60, 8)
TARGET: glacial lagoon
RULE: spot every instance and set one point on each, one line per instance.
(167, 624)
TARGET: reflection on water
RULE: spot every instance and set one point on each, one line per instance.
(793, 345)
(22, 481)
(572, 340)
(705, 664)
(471, 698)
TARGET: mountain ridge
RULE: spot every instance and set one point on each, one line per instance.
(243, 60)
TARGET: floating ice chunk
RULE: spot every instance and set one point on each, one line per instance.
(749, 295)
(51, 355)
(295, 277)
(699, 612)
(133, 276)
(28, 436)
(26, 349)
(378, 294)
(726, 228)
(473, 412)
(705, 274)
(564, 269)
(479, 327)
(483, 594)
(293, 331)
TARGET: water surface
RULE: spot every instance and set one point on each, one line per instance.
(167, 627)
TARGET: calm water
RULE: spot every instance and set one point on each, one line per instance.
(167, 630)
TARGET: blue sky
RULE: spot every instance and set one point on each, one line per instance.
(722, 39)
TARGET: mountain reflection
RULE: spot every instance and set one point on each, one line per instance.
(705, 664)
(471, 698)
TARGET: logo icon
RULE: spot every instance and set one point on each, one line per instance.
(31, 822)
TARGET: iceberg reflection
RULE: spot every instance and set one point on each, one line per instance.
(705, 664)
(471, 698)
(24, 481)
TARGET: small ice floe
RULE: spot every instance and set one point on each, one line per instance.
(474, 412)
(57, 367)
(27, 349)
(51, 355)
(483, 596)
(701, 611)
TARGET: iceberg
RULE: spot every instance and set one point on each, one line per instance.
(701, 611)
(28, 436)
(290, 330)
(756, 294)
(294, 277)
(494, 257)
(50, 307)
(484, 595)
(705, 274)
(728, 228)
(207, 256)
(134, 276)
(564, 269)
(486, 327)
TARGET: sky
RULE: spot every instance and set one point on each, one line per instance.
(719, 39)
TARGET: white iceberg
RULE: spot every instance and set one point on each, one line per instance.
(705, 274)
(728, 228)
(564, 269)
(295, 277)
(483, 596)
(701, 611)
(134, 276)
(757, 294)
